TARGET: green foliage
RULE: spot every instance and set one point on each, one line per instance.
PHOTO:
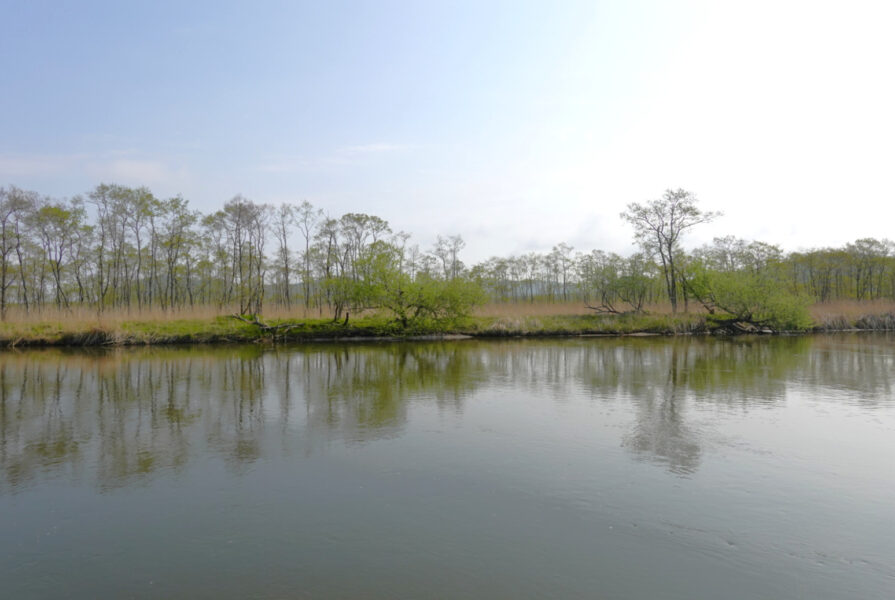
(413, 299)
(758, 297)
(594, 324)
(120, 248)
(613, 284)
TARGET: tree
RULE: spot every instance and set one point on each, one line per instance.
(607, 279)
(244, 224)
(306, 217)
(176, 239)
(284, 218)
(659, 225)
(757, 297)
(15, 207)
(562, 254)
(56, 224)
(447, 249)
(412, 299)
(867, 266)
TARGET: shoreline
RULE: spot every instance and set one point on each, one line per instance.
(226, 330)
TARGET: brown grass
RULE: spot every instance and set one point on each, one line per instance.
(830, 316)
(849, 314)
(850, 309)
(80, 325)
(553, 309)
(526, 309)
(80, 318)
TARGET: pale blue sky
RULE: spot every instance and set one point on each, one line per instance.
(517, 125)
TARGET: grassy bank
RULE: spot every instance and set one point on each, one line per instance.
(221, 329)
(71, 329)
(225, 329)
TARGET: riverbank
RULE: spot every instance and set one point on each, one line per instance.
(227, 329)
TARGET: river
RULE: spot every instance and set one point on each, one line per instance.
(605, 468)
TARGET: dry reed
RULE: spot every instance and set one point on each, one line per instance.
(555, 309)
(81, 317)
(81, 326)
(851, 310)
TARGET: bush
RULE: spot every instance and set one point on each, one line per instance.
(758, 297)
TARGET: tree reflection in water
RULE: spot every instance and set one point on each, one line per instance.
(660, 432)
(114, 416)
(124, 414)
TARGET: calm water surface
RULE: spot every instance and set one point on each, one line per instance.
(629, 468)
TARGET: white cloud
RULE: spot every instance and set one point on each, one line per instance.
(346, 156)
(21, 166)
(84, 170)
(133, 171)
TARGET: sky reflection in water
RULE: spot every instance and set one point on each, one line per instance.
(615, 468)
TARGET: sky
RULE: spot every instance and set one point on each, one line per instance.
(517, 125)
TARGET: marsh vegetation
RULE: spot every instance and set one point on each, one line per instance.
(119, 265)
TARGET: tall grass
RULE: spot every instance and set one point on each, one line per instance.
(851, 309)
(79, 326)
(116, 316)
(854, 314)
(552, 309)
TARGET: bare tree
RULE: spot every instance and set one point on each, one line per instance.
(447, 249)
(306, 217)
(15, 206)
(284, 220)
(659, 225)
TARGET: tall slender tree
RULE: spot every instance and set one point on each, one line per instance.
(659, 226)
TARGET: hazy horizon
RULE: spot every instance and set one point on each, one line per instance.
(515, 125)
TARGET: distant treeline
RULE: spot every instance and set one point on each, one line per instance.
(121, 247)
(862, 270)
